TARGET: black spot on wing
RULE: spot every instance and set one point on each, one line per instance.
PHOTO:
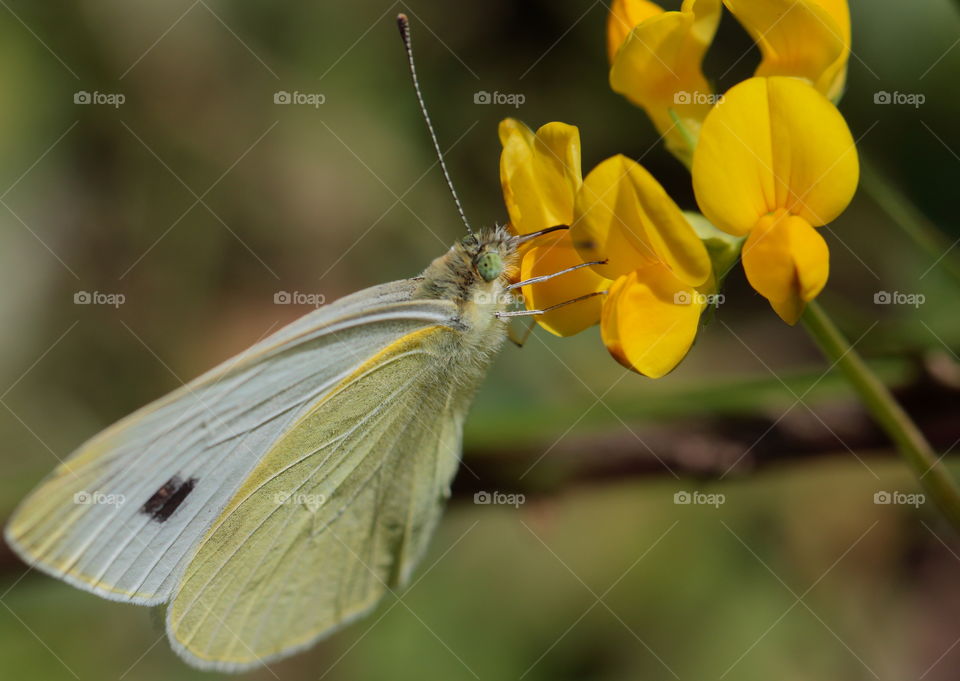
(168, 498)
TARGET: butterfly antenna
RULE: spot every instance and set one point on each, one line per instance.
(404, 24)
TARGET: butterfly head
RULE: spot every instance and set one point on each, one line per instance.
(489, 252)
(477, 267)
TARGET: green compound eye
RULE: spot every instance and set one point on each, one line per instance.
(490, 266)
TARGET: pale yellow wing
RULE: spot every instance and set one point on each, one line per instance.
(336, 513)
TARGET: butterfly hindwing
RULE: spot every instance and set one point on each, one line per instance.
(335, 515)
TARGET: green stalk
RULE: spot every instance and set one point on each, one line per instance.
(891, 417)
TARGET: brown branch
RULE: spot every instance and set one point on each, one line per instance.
(703, 447)
(711, 447)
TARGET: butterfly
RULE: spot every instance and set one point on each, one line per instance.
(280, 495)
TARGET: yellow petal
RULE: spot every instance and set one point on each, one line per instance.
(803, 38)
(773, 144)
(649, 321)
(623, 16)
(610, 322)
(658, 67)
(540, 174)
(624, 216)
(787, 262)
(552, 254)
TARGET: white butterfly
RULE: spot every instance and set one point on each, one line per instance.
(278, 496)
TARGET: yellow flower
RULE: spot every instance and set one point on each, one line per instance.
(776, 159)
(661, 269)
(623, 16)
(803, 38)
(657, 269)
(657, 64)
(540, 176)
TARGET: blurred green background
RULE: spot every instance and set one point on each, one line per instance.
(198, 199)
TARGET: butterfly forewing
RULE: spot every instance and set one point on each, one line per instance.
(123, 514)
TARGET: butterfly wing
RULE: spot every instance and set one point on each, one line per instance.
(336, 514)
(123, 514)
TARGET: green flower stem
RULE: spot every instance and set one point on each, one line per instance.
(911, 443)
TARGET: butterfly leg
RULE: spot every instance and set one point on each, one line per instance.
(520, 339)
